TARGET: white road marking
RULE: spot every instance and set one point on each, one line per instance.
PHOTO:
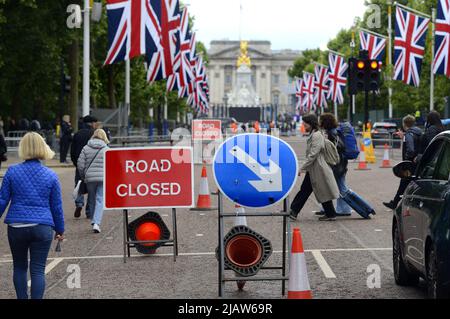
(4, 261)
(333, 231)
(199, 235)
(378, 230)
(55, 262)
(326, 269)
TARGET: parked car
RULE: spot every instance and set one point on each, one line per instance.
(383, 132)
(421, 224)
(446, 124)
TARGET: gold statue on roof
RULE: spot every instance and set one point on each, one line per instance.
(244, 58)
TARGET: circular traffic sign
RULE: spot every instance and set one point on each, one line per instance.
(254, 170)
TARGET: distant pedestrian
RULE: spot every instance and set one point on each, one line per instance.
(65, 138)
(35, 126)
(2, 127)
(319, 176)
(80, 140)
(433, 128)
(3, 150)
(411, 149)
(90, 167)
(348, 199)
(34, 194)
(24, 125)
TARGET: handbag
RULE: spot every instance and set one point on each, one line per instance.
(331, 153)
(81, 187)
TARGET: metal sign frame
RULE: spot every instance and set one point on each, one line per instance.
(286, 247)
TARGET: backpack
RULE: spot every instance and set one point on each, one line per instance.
(331, 153)
(347, 135)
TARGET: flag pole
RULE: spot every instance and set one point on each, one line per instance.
(433, 27)
(335, 110)
(127, 91)
(389, 58)
(86, 59)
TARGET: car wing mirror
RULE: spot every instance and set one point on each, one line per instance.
(404, 170)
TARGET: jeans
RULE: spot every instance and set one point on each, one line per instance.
(95, 199)
(64, 148)
(79, 201)
(349, 196)
(37, 240)
(404, 183)
(305, 191)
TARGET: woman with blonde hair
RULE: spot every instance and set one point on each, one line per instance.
(90, 167)
(34, 195)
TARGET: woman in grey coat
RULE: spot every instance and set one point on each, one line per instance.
(90, 167)
(319, 176)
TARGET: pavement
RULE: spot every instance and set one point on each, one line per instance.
(342, 257)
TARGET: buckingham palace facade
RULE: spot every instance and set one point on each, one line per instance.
(269, 73)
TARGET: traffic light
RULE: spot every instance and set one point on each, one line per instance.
(67, 86)
(364, 75)
(361, 75)
(374, 76)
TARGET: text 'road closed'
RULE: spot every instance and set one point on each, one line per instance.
(148, 178)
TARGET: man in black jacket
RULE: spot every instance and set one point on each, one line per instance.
(66, 138)
(3, 150)
(411, 149)
(80, 140)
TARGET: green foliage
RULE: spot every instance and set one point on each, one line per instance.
(35, 38)
(406, 99)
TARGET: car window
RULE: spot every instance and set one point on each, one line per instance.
(443, 168)
(430, 160)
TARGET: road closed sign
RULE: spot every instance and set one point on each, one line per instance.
(206, 130)
(144, 178)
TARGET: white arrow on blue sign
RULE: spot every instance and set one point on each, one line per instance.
(255, 171)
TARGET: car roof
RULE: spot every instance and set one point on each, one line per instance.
(385, 124)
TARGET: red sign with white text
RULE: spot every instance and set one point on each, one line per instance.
(206, 130)
(143, 178)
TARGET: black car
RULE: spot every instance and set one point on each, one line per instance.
(421, 225)
(383, 132)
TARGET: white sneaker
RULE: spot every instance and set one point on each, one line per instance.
(96, 229)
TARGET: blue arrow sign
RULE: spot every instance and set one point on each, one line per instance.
(255, 171)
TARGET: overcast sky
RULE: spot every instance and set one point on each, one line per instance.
(288, 24)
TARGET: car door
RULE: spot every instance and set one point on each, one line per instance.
(418, 198)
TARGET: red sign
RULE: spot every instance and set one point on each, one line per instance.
(206, 130)
(142, 178)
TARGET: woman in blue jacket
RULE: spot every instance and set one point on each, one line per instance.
(36, 210)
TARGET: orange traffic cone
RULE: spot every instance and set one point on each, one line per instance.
(386, 160)
(362, 166)
(302, 129)
(298, 275)
(204, 196)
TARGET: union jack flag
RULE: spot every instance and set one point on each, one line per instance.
(132, 30)
(373, 44)
(200, 96)
(321, 86)
(338, 78)
(308, 92)
(299, 93)
(441, 59)
(410, 36)
(166, 60)
(184, 75)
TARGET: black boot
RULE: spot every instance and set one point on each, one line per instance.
(390, 205)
